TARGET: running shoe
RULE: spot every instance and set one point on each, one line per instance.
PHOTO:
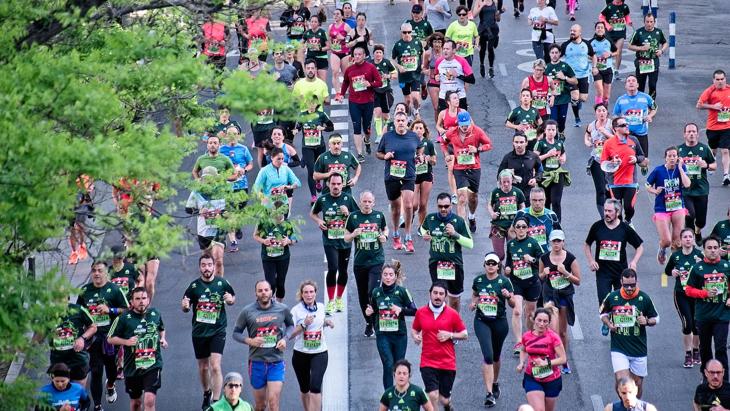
(566, 369)
(517, 13)
(489, 400)
(330, 308)
(522, 6)
(73, 259)
(661, 256)
(416, 114)
(111, 394)
(368, 331)
(339, 305)
(482, 71)
(409, 246)
(616, 75)
(366, 139)
(368, 150)
(83, 252)
(424, 92)
(491, 72)
(473, 225)
(517, 348)
(98, 407)
(645, 171)
(206, 399)
(696, 360)
(360, 158)
(578, 123)
(726, 180)
(572, 17)
(397, 244)
(604, 330)
(688, 363)
(454, 199)
(495, 390)
(234, 247)
(239, 232)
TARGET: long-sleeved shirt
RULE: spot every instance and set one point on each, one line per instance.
(476, 137)
(525, 166)
(353, 80)
(271, 177)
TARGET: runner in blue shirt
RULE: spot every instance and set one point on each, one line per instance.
(604, 49)
(61, 393)
(638, 109)
(242, 164)
(579, 55)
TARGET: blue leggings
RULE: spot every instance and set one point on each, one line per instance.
(392, 347)
(559, 113)
(361, 115)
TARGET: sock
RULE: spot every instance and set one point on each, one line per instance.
(471, 215)
(331, 292)
(599, 100)
(576, 110)
(378, 127)
(340, 292)
(396, 234)
(408, 237)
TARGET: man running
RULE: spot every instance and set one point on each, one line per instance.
(311, 86)
(438, 326)
(714, 391)
(208, 296)
(453, 72)
(638, 109)
(581, 58)
(213, 158)
(335, 207)
(105, 302)
(611, 236)
(335, 161)
(716, 100)
(627, 312)
(406, 56)
(447, 233)
(75, 329)
(525, 165)
(466, 142)
(698, 159)
(268, 323)
(542, 221)
(141, 332)
(649, 44)
(398, 149)
(369, 230)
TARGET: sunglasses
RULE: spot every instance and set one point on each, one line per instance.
(490, 262)
(629, 285)
(440, 206)
(234, 385)
(462, 14)
(406, 32)
(520, 226)
(621, 125)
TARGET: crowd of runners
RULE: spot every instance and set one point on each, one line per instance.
(111, 332)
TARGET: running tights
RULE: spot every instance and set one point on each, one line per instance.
(627, 197)
(709, 331)
(559, 113)
(599, 182)
(487, 46)
(309, 369)
(605, 283)
(697, 211)
(337, 261)
(491, 336)
(686, 309)
(653, 77)
(275, 273)
(553, 197)
(366, 279)
(309, 156)
(391, 347)
(99, 363)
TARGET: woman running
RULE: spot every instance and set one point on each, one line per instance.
(540, 361)
(403, 395)
(464, 34)
(446, 120)
(384, 94)
(312, 141)
(552, 154)
(539, 84)
(560, 273)
(597, 132)
(561, 76)
(339, 51)
(489, 17)
(360, 36)
(310, 350)
(276, 179)
(502, 207)
(318, 44)
(603, 72)
(275, 235)
(438, 13)
(678, 266)
(425, 161)
(525, 118)
(435, 44)
(490, 292)
(616, 15)
(257, 34)
(666, 182)
(389, 304)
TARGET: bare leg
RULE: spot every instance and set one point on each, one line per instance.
(407, 196)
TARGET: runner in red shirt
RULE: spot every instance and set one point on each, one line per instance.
(438, 326)
(716, 100)
(538, 84)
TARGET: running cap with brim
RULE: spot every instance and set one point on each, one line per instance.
(232, 377)
(464, 118)
(416, 8)
(557, 235)
(491, 257)
(118, 251)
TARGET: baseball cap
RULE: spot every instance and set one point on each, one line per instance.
(464, 118)
(557, 235)
(232, 377)
(416, 8)
(491, 257)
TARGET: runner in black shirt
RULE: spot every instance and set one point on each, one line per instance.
(714, 392)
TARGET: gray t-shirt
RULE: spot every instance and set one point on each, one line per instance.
(271, 324)
(439, 19)
(287, 74)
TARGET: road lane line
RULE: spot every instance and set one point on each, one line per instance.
(576, 331)
(664, 280)
(334, 397)
(341, 126)
(339, 113)
(597, 402)
(503, 69)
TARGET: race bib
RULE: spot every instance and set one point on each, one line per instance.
(369, 234)
(276, 249)
(538, 233)
(488, 304)
(313, 44)
(723, 116)
(278, 194)
(312, 340)
(598, 147)
(624, 316)
(144, 357)
(683, 277)
(539, 102)
(410, 63)
(387, 320)
(421, 166)
(465, 158)
(269, 336)
(693, 166)
(552, 162)
(646, 66)
(100, 319)
(122, 283)
(445, 270)
(336, 46)
(672, 201)
(385, 79)
(358, 83)
(397, 168)
(340, 169)
(609, 250)
(558, 86)
(717, 282)
(206, 312)
(634, 117)
(63, 340)
(265, 117)
(521, 269)
(542, 371)
(618, 24)
(462, 48)
(530, 133)
(507, 206)
(312, 137)
(297, 30)
(557, 280)
(336, 229)
(601, 63)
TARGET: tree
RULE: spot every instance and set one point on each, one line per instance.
(86, 89)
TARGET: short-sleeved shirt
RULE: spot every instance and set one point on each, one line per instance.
(311, 135)
(705, 276)
(655, 39)
(697, 175)
(385, 68)
(600, 47)
(436, 354)
(73, 324)
(413, 399)
(276, 232)
(287, 73)
(369, 250)
(519, 116)
(91, 297)
(427, 148)
(125, 278)
(506, 204)
(559, 87)
(315, 41)
(268, 323)
(616, 16)
(404, 146)
(240, 156)
(534, 16)
(635, 109)
(577, 55)
(717, 119)
(147, 327)
(408, 54)
(329, 206)
(683, 263)
(208, 306)
(611, 244)
(490, 301)
(443, 247)
(220, 162)
(629, 338)
(522, 271)
(543, 147)
(72, 397)
(447, 81)
(707, 398)
(305, 89)
(626, 175)
(421, 29)
(205, 226)
(541, 346)
(463, 36)
(722, 230)
(386, 321)
(341, 163)
(670, 199)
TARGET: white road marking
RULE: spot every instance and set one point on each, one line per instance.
(576, 331)
(512, 104)
(503, 69)
(597, 402)
(339, 113)
(557, 40)
(335, 398)
(341, 126)
(345, 137)
(344, 148)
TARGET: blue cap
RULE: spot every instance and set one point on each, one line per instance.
(464, 118)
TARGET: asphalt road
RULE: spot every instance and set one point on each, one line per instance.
(358, 370)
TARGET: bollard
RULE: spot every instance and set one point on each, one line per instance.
(672, 38)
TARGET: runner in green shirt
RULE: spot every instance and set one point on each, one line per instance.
(406, 57)
(336, 161)
(464, 33)
(421, 27)
(561, 77)
(75, 329)
(525, 118)
(403, 395)
(213, 158)
(123, 273)
(722, 231)
(504, 201)
(207, 296)
(649, 43)
(698, 159)
(275, 234)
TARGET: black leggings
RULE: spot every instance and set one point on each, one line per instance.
(709, 331)
(485, 45)
(686, 309)
(275, 273)
(337, 260)
(653, 77)
(599, 182)
(309, 156)
(100, 362)
(696, 211)
(366, 279)
(309, 369)
(553, 197)
(627, 197)
(605, 283)
(491, 336)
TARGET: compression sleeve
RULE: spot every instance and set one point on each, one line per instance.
(695, 292)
